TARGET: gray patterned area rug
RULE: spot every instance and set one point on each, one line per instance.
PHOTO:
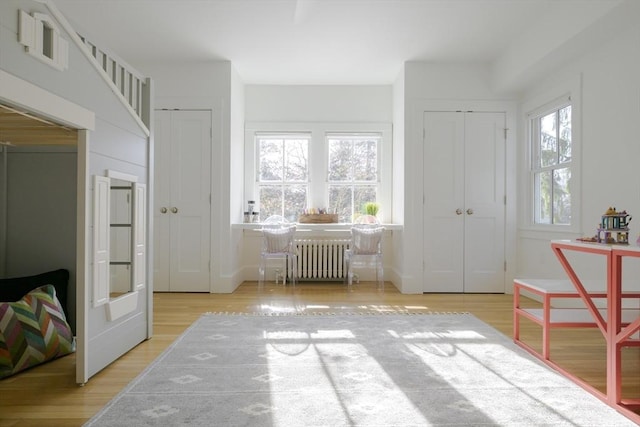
(350, 370)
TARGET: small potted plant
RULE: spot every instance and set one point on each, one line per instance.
(371, 208)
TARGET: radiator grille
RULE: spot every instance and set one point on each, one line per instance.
(321, 259)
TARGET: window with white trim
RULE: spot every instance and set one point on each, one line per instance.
(283, 174)
(352, 173)
(551, 165)
(339, 167)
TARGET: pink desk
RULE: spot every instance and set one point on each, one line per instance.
(617, 335)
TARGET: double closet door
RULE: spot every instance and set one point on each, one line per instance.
(464, 202)
(182, 201)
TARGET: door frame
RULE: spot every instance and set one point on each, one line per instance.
(414, 189)
(26, 96)
(211, 142)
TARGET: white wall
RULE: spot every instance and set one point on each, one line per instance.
(610, 93)
(446, 87)
(559, 39)
(41, 213)
(611, 103)
(273, 103)
(235, 176)
(398, 190)
(186, 85)
(315, 104)
(212, 86)
(448, 82)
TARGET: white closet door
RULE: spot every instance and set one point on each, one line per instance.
(162, 199)
(464, 210)
(444, 202)
(484, 223)
(182, 211)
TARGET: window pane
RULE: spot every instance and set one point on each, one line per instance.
(283, 173)
(542, 191)
(341, 202)
(295, 201)
(353, 159)
(348, 201)
(283, 161)
(552, 167)
(270, 153)
(564, 148)
(362, 195)
(340, 160)
(548, 140)
(296, 157)
(365, 160)
(561, 196)
(270, 201)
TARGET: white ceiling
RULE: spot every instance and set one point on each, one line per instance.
(318, 41)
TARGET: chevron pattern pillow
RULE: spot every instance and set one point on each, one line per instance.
(33, 330)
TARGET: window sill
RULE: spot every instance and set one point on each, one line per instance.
(331, 227)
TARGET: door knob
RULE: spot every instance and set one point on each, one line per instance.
(174, 210)
(458, 211)
(163, 210)
(469, 211)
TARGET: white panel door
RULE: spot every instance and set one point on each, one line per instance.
(464, 211)
(182, 201)
(444, 201)
(484, 223)
(162, 199)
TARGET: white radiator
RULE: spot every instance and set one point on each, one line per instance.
(321, 259)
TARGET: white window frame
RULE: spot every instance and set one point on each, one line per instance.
(354, 183)
(256, 149)
(318, 196)
(549, 101)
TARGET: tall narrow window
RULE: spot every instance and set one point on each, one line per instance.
(551, 166)
(353, 173)
(283, 174)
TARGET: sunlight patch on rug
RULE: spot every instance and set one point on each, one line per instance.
(337, 369)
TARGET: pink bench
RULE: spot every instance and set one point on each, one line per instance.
(549, 317)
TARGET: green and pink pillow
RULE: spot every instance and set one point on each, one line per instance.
(33, 330)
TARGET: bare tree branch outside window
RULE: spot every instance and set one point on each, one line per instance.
(551, 167)
(353, 173)
(283, 175)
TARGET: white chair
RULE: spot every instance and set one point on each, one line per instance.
(278, 243)
(366, 220)
(275, 221)
(365, 248)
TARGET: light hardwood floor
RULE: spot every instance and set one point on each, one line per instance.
(48, 396)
